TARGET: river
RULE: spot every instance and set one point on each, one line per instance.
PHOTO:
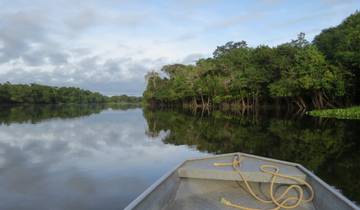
(98, 157)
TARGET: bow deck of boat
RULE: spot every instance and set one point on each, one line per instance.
(197, 184)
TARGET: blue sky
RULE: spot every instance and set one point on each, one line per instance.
(109, 45)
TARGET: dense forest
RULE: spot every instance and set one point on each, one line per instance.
(299, 74)
(42, 94)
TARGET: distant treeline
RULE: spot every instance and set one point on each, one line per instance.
(324, 73)
(42, 94)
(125, 99)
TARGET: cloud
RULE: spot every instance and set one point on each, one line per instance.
(81, 51)
(185, 37)
(33, 50)
(30, 51)
(235, 20)
(24, 36)
(19, 31)
(82, 20)
(273, 2)
(195, 3)
(192, 58)
(309, 17)
(338, 2)
(89, 18)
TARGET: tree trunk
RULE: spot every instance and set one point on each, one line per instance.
(257, 101)
(253, 101)
(298, 104)
(202, 100)
(318, 100)
(302, 102)
(243, 102)
(208, 101)
(313, 102)
(320, 97)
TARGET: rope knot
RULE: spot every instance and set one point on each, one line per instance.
(225, 202)
(284, 200)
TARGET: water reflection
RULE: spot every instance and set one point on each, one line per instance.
(101, 157)
(330, 148)
(64, 161)
(35, 113)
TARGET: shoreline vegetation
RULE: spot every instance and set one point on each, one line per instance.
(299, 75)
(43, 94)
(352, 113)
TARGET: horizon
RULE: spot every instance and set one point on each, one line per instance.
(108, 47)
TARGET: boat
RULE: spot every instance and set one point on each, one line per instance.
(240, 181)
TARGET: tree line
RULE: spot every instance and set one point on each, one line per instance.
(324, 73)
(43, 94)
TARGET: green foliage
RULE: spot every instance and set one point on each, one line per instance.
(346, 113)
(42, 94)
(124, 99)
(341, 46)
(309, 72)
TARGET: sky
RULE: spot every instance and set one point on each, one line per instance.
(109, 45)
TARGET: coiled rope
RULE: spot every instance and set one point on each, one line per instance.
(284, 200)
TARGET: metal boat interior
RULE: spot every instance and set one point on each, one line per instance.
(214, 183)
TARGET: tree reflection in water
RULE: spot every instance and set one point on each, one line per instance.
(37, 113)
(329, 148)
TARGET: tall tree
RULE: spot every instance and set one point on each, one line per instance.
(341, 46)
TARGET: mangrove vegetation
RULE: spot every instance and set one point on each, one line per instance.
(42, 94)
(299, 74)
(345, 113)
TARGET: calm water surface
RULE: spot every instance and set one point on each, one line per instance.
(91, 157)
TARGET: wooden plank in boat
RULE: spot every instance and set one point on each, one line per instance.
(250, 168)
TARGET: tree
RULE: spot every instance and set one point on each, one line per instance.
(227, 47)
(341, 46)
(42, 94)
(317, 77)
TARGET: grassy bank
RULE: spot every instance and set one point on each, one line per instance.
(345, 113)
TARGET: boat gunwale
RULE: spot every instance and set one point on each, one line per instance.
(329, 188)
(159, 181)
(152, 187)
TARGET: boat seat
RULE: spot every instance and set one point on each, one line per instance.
(250, 168)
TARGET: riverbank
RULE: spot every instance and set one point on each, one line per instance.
(344, 113)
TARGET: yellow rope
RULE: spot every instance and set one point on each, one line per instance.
(281, 201)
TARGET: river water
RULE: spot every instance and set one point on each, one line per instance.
(97, 157)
